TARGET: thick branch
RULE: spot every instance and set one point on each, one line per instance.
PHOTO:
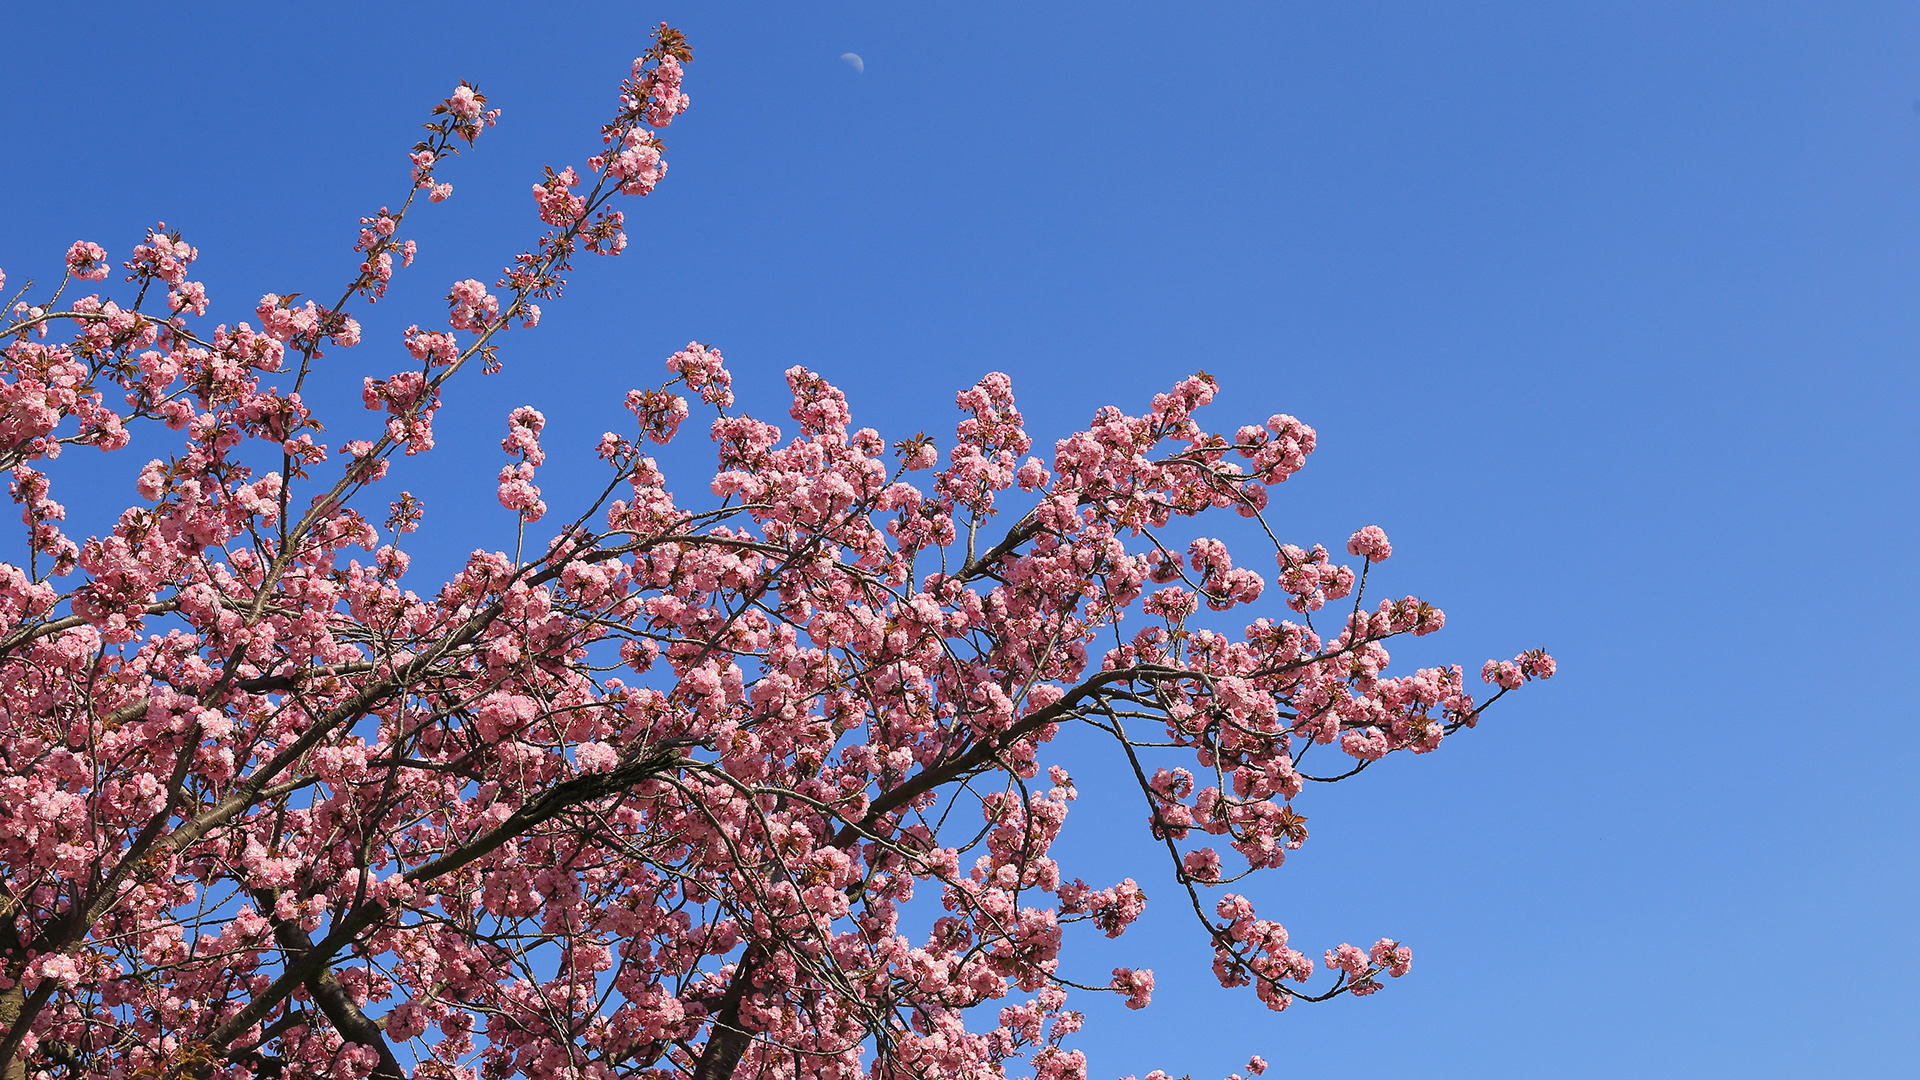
(325, 988)
(309, 964)
(727, 1041)
(1023, 530)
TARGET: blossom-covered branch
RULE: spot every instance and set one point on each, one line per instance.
(649, 799)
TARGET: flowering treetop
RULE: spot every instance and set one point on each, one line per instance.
(653, 801)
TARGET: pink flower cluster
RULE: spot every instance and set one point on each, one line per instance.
(1262, 956)
(1136, 985)
(517, 489)
(435, 349)
(556, 200)
(1370, 542)
(471, 307)
(1509, 674)
(701, 368)
(669, 100)
(636, 165)
(410, 403)
(1361, 968)
(162, 257)
(87, 261)
(379, 243)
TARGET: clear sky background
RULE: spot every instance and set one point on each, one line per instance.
(1608, 318)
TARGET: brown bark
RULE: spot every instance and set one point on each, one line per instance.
(326, 991)
(727, 1041)
(11, 1002)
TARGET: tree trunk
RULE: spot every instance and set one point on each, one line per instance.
(11, 1001)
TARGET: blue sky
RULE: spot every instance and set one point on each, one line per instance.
(1606, 317)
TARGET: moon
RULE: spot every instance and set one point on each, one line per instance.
(853, 61)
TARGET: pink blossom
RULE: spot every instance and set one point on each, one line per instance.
(471, 307)
(434, 348)
(595, 757)
(87, 261)
(1202, 865)
(1137, 985)
(637, 166)
(1391, 955)
(518, 492)
(1371, 542)
(189, 296)
(703, 370)
(463, 103)
(923, 456)
(1502, 673)
(523, 434)
(668, 100)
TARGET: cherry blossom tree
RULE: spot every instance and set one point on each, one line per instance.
(653, 801)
